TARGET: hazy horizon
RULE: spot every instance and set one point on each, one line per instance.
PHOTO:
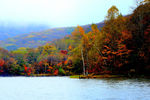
(59, 13)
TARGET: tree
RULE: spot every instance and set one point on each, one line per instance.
(2, 62)
(112, 13)
(115, 23)
(48, 49)
(1, 65)
(141, 2)
(32, 56)
(77, 35)
(138, 25)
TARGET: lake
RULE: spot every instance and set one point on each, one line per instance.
(65, 88)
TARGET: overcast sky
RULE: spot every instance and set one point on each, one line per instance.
(60, 13)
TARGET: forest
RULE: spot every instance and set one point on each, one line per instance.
(120, 47)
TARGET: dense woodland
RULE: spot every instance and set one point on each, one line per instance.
(121, 47)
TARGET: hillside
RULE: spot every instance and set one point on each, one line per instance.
(9, 30)
(36, 39)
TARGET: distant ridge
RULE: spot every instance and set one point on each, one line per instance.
(36, 39)
(9, 30)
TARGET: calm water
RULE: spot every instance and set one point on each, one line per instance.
(64, 88)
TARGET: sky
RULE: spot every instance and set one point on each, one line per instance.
(60, 13)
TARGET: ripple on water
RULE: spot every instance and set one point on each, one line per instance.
(65, 88)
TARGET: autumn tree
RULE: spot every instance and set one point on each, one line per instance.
(84, 53)
(48, 49)
(77, 35)
(32, 56)
(115, 23)
(112, 13)
(139, 27)
(1, 65)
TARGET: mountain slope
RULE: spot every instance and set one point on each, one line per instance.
(9, 30)
(36, 39)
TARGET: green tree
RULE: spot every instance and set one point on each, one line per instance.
(112, 13)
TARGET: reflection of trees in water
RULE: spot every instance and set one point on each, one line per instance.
(119, 82)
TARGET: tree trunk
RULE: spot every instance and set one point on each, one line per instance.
(83, 61)
(87, 63)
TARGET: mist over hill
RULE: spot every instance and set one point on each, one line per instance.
(11, 29)
(34, 39)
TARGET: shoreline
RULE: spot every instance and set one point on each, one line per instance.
(107, 76)
(84, 77)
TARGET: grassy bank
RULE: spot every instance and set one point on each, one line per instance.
(96, 76)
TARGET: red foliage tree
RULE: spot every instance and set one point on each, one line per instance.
(2, 62)
(64, 52)
(56, 72)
